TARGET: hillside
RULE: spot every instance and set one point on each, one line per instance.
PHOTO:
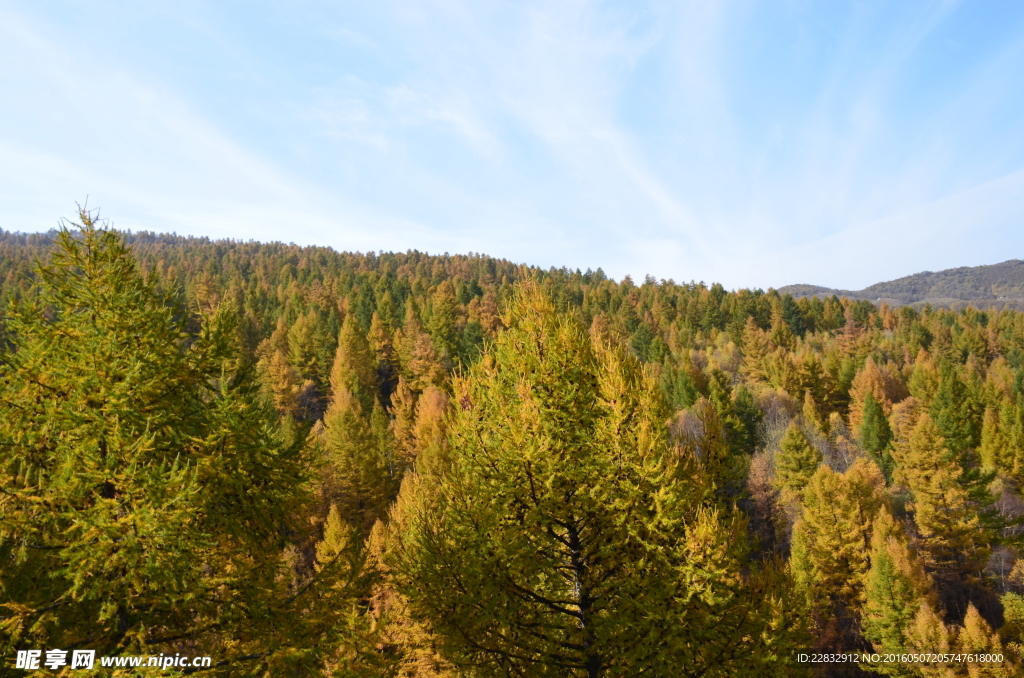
(996, 285)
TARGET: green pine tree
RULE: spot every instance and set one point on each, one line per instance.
(875, 434)
(561, 537)
(359, 470)
(796, 461)
(684, 392)
(749, 416)
(895, 588)
(145, 491)
(956, 413)
(443, 322)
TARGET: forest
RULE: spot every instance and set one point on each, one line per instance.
(302, 462)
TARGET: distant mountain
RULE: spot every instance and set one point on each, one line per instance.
(996, 285)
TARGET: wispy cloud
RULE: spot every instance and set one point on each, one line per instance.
(750, 143)
(965, 229)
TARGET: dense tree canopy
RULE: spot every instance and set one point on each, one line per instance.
(306, 461)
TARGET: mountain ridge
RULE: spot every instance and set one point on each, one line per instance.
(990, 285)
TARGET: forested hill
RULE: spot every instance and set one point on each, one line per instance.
(276, 283)
(996, 285)
(305, 462)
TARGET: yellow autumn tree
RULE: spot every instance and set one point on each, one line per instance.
(955, 539)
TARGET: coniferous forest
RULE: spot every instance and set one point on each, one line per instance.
(304, 463)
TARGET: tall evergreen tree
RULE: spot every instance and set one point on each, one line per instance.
(145, 492)
(354, 365)
(403, 410)
(360, 473)
(811, 414)
(749, 417)
(1002, 441)
(305, 347)
(282, 382)
(682, 387)
(924, 379)
(875, 434)
(835, 530)
(796, 461)
(993, 442)
(387, 311)
(895, 588)
(781, 334)
(956, 530)
(755, 350)
(561, 537)
(956, 413)
(1011, 426)
(443, 320)
(386, 358)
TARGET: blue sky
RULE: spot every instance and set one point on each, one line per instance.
(753, 144)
